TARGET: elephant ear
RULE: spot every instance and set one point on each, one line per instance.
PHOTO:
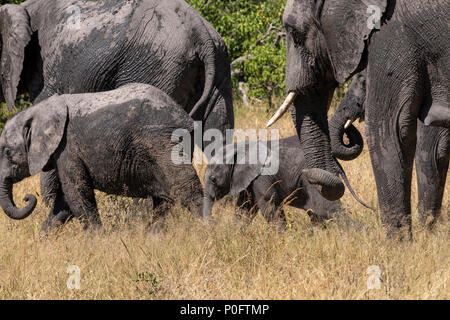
(44, 132)
(15, 35)
(248, 165)
(347, 26)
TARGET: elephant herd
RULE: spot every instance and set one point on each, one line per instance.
(109, 91)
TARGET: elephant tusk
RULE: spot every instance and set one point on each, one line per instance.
(349, 123)
(284, 107)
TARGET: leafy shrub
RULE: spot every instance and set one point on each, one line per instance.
(244, 25)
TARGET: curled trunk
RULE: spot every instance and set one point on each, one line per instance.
(8, 206)
(340, 149)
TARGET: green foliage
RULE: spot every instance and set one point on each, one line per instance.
(244, 25)
(149, 281)
(22, 103)
(2, 2)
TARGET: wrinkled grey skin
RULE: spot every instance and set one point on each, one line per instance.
(408, 64)
(163, 43)
(118, 142)
(431, 157)
(267, 192)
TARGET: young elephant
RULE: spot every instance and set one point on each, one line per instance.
(229, 172)
(118, 142)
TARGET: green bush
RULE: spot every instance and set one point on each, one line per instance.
(244, 26)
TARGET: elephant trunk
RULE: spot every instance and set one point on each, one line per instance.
(339, 148)
(207, 205)
(7, 202)
(312, 128)
(328, 184)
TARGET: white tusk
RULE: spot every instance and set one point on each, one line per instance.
(349, 123)
(284, 107)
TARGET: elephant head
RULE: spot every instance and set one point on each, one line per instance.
(15, 35)
(27, 145)
(326, 45)
(233, 169)
(350, 109)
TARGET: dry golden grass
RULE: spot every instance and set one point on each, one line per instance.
(224, 259)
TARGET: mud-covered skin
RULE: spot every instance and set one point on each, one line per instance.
(270, 192)
(118, 142)
(431, 156)
(163, 43)
(408, 64)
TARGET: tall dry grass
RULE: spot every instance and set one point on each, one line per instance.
(225, 258)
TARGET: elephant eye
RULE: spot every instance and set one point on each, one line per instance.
(213, 179)
(298, 37)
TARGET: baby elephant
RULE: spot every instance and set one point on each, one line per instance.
(257, 187)
(118, 142)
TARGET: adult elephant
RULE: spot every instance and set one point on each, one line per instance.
(432, 150)
(66, 46)
(408, 64)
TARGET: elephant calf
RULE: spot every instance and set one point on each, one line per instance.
(229, 172)
(118, 142)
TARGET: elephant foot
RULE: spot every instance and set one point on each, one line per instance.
(398, 231)
(53, 222)
(428, 219)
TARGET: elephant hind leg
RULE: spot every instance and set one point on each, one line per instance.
(432, 161)
(393, 106)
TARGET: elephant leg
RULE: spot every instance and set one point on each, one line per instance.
(391, 130)
(50, 185)
(59, 214)
(268, 201)
(432, 160)
(79, 192)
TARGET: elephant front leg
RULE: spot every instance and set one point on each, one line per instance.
(268, 202)
(50, 185)
(79, 193)
(59, 214)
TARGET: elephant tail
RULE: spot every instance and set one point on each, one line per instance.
(209, 59)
